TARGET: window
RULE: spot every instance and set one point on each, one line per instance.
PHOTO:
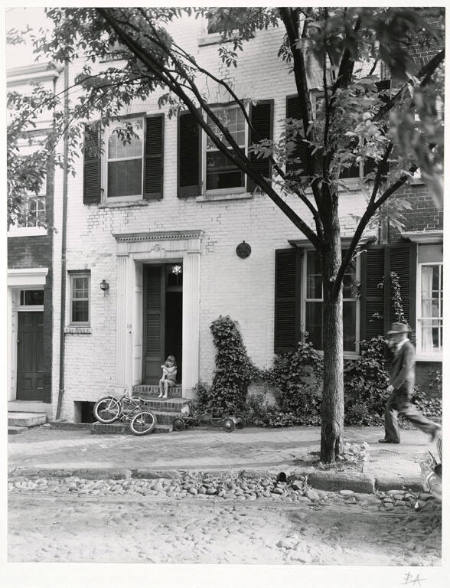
(221, 174)
(124, 159)
(79, 298)
(313, 299)
(430, 314)
(33, 212)
(31, 297)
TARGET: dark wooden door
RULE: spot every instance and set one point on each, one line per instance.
(154, 323)
(30, 356)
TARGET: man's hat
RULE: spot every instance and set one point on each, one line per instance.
(398, 328)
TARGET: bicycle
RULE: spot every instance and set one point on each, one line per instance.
(110, 409)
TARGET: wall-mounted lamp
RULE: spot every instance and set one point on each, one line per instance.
(104, 286)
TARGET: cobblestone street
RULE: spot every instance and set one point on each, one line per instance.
(165, 521)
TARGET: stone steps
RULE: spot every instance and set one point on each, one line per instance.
(26, 419)
(152, 391)
(16, 430)
(172, 405)
(18, 422)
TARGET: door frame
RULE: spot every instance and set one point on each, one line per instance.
(19, 279)
(160, 247)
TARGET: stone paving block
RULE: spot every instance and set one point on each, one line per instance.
(335, 481)
(16, 430)
(150, 474)
(400, 483)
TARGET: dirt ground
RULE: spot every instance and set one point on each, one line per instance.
(49, 527)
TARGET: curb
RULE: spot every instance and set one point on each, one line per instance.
(328, 481)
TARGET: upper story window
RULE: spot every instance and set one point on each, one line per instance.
(33, 212)
(79, 298)
(221, 173)
(430, 308)
(313, 303)
(124, 159)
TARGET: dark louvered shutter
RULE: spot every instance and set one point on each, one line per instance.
(403, 262)
(189, 151)
(91, 164)
(286, 300)
(372, 292)
(261, 117)
(154, 158)
(293, 111)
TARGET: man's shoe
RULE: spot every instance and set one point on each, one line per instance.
(387, 441)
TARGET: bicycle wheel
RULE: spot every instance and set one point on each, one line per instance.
(107, 409)
(143, 422)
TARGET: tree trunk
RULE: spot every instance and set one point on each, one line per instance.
(332, 411)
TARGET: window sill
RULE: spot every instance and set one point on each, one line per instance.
(123, 203)
(27, 232)
(436, 357)
(75, 330)
(216, 197)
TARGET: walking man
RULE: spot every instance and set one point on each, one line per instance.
(401, 388)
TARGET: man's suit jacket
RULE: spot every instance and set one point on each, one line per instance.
(402, 369)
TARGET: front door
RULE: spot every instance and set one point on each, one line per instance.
(30, 356)
(162, 332)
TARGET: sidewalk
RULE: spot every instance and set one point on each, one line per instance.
(276, 450)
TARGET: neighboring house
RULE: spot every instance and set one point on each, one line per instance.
(164, 235)
(31, 274)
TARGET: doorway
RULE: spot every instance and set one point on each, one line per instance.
(30, 356)
(162, 318)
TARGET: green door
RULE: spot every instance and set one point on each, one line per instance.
(154, 323)
(30, 356)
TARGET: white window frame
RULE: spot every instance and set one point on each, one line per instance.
(421, 354)
(223, 191)
(17, 230)
(105, 160)
(79, 274)
(304, 300)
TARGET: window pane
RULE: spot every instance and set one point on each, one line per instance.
(116, 146)
(313, 323)
(221, 173)
(349, 314)
(31, 297)
(125, 178)
(80, 311)
(431, 335)
(80, 287)
(314, 276)
(233, 119)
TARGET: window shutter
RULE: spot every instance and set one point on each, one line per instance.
(154, 157)
(293, 111)
(189, 152)
(372, 296)
(403, 262)
(91, 164)
(287, 289)
(261, 117)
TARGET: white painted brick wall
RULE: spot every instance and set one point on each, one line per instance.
(243, 289)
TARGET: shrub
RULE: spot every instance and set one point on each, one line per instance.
(297, 379)
(233, 373)
(365, 384)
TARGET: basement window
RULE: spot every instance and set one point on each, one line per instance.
(84, 412)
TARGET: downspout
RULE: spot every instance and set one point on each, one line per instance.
(63, 246)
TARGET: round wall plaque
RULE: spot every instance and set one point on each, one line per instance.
(243, 250)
